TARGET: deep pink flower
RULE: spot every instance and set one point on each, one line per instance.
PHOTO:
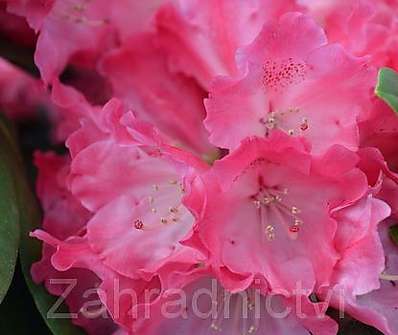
(283, 87)
(124, 172)
(67, 256)
(269, 208)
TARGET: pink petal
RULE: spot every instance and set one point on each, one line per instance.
(20, 94)
(130, 238)
(358, 242)
(173, 103)
(63, 214)
(378, 307)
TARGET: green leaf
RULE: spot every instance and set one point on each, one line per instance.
(387, 87)
(9, 228)
(30, 249)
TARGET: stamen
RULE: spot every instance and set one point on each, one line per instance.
(271, 123)
(244, 315)
(257, 203)
(273, 199)
(243, 320)
(252, 330)
(270, 232)
(295, 210)
(298, 222)
(214, 327)
(388, 277)
(268, 200)
(276, 119)
(220, 304)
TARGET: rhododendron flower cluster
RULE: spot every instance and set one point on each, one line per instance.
(229, 168)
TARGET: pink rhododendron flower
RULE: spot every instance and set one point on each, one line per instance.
(146, 208)
(283, 88)
(138, 190)
(270, 197)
